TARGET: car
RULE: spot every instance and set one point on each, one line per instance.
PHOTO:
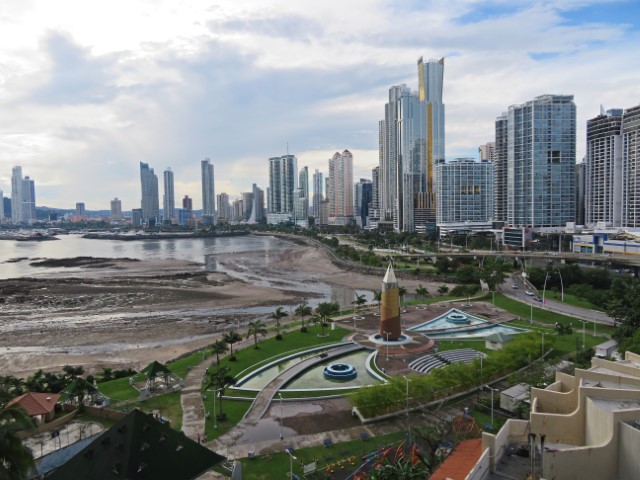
(537, 299)
(530, 293)
(514, 286)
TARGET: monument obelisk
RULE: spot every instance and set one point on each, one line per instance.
(390, 306)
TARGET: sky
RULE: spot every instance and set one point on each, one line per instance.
(89, 89)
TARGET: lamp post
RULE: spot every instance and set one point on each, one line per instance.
(544, 287)
(492, 391)
(584, 323)
(542, 344)
(387, 334)
(215, 421)
(291, 459)
(281, 435)
(407, 397)
(561, 286)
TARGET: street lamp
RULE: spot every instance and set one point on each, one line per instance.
(291, 459)
(215, 421)
(387, 334)
(492, 391)
(544, 287)
(584, 323)
(407, 396)
(281, 435)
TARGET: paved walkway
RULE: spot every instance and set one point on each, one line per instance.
(193, 416)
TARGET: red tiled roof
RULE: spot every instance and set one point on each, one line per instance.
(460, 461)
(36, 403)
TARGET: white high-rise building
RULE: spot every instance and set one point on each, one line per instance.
(150, 202)
(116, 209)
(282, 184)
(318, 189)
(631, 167)
(487, 152)
(208, 192)
(23, 197)
(168, 199)
(340, 191)
(16, 195)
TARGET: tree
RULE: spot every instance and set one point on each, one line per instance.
(443, 290)
(324, 311)
(254, 329)
(16, 460)
(402, 291)
(377, 296)
(230, 338)
(73, 372)
(219, 347)
(359, 301)
(624, 308)
(220, 380)
(422, 291)
(277, 315)
(303, 310)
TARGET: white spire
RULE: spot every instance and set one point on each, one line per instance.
(390, 277)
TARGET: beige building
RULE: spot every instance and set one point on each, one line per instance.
(590, 422)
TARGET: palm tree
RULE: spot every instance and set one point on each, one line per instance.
(422, 291)
(402, 291)
(219, 347)
(303, 310)
(254, 329)
(16, 460)
(277, 315)
(443, 290)
(324, 311)
(359, 301)
(377, 296)
(220, 380)
(230, 338)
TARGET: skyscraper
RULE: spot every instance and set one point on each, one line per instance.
(282, 184)
(208, 192)
(363, 195)
(80, 209)
(603, 169)
(116, 209)
(28, 200)
(487, 152)
(631, 167)
(16, 194)
(340, 191)
(541, 162)
(318, 196)
(225, 214)
(431, 80)
(168, 199)
(150, 202)
(302, 195)
(500, 168)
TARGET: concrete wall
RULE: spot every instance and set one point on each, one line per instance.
(481, 469)
(617, 366)
(632, 357)
(628, 458)
(549, 401)
(559, 428)
(512, 431)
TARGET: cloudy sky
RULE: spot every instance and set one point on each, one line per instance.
(89, 89)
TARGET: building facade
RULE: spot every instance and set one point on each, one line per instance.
(500, 168)
(631, 167)
(168, 199)
(116, 209)
(150, 202)
(464, 191)
(282, 184)
(541, 162)
(340, 191)
(318, 195)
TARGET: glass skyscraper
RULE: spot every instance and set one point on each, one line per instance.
(168, 200)
(150, 202)
(208, 191)
(283, 175)
(464, 191)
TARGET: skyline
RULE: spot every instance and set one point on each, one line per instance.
(181, 83)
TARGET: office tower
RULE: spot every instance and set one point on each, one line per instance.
(80, 209)
(430, 87)
(403, 168)
(541, 190)
(603, 169)
(318, 196)
(16, 194)
(168, 199)
(301, 207)
(116, 209)
(208, 192)
(28, 200)
(150, 203)
(258, 199)
(247, 205)
(137, 219)
(282, 184)
(7, 207)
(187, 204)
(363, 197)
(1, 207)
(224, 208)
(500, 162)
(340, 192)
(464, 191)
(631, 167)
(487, 152)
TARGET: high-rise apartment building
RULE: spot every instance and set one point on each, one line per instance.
(631, 167)
(431, 83)
(282, 184)
(23, 197)
(150, 202)
(464, 191)
(500, 163)
(16, 194)
(225, 212)
(80, 209)
(340, 191)
(580, 192)
(318, 195)
(301, 206)
(208, 192)
(1, 207)
(603, 169)
(487, 152)
(256, 212)
(541, 162)
(116, 209)
(168, 199)
(363, 194)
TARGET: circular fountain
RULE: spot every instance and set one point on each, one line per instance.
(458, 319)
(340, 371)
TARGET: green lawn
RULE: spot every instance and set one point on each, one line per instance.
(573, 300)
(118, 389)
(479, 345)
(234, 411)
(276, 465)
(182, 366)
(168, 404)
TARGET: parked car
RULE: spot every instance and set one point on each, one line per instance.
(514, 286)
(530, 293)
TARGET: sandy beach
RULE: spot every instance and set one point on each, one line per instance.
(123, 313)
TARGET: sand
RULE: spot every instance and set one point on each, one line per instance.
(123, 314)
